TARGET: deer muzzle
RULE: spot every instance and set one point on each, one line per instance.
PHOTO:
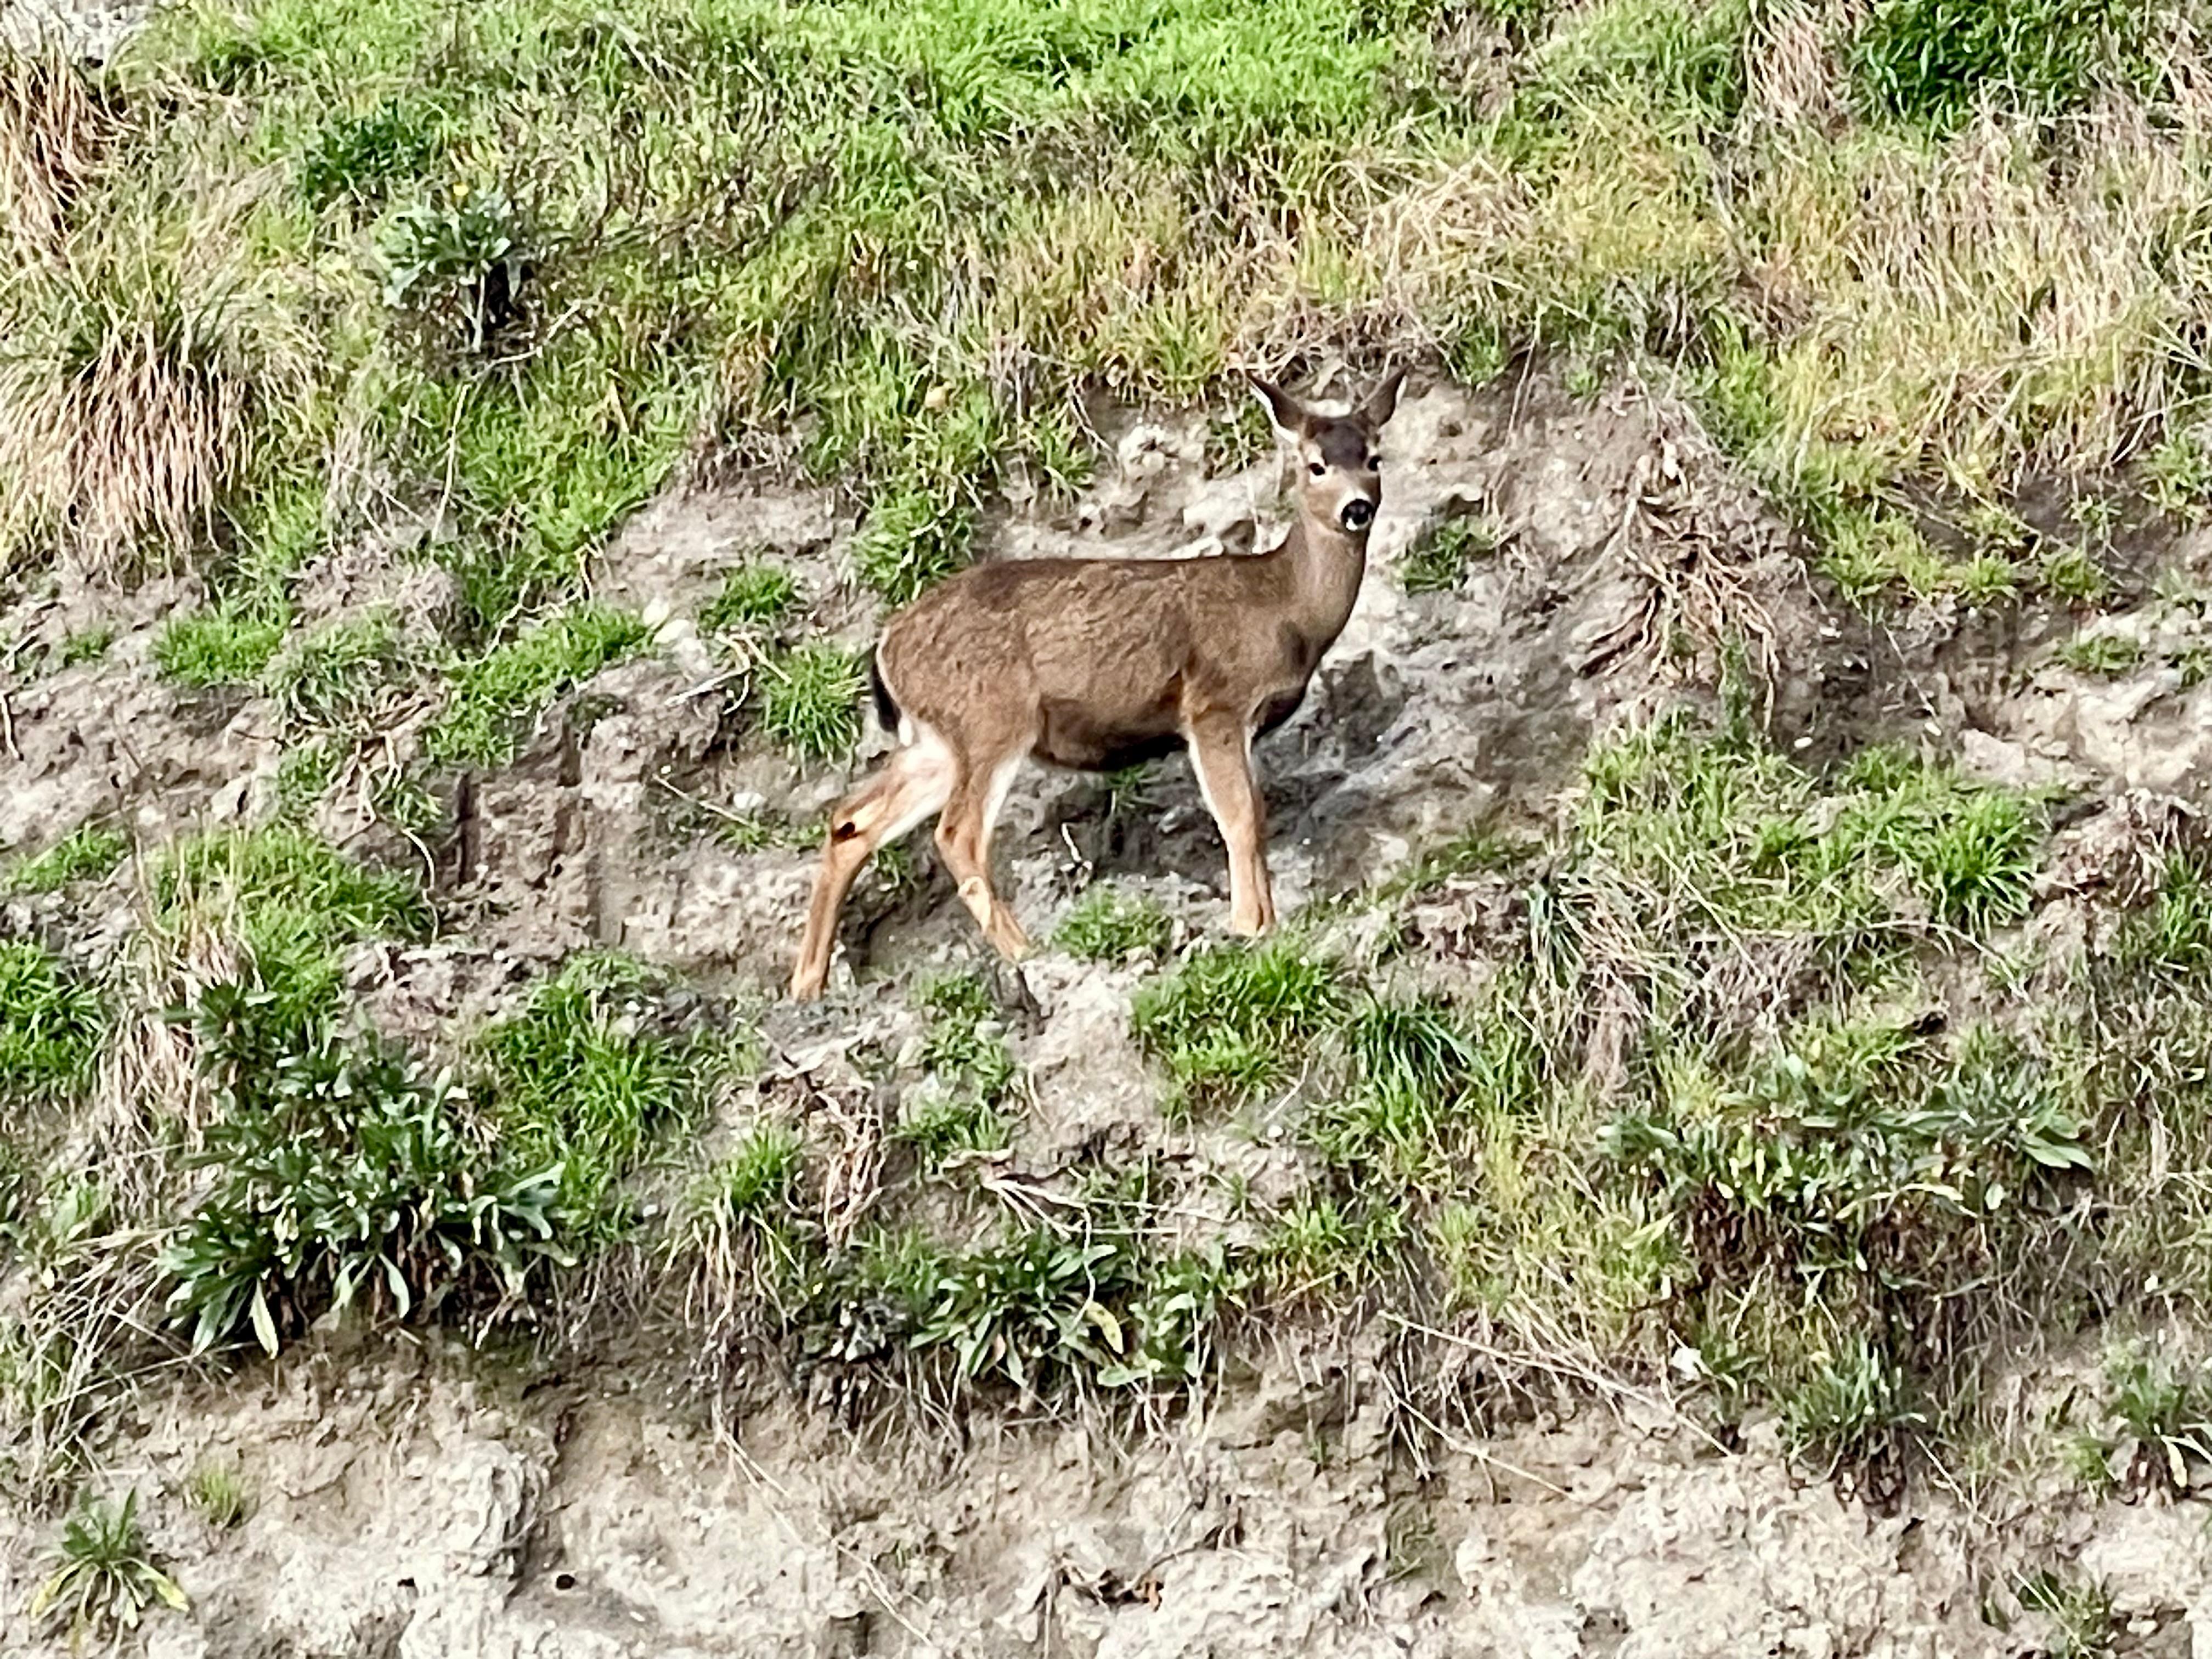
(1357, 513)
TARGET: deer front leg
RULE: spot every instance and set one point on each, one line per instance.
(1221, 755)
(964, 841)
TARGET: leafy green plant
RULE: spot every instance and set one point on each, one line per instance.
(1856, 1407)
(357, 156)
(2108, 654)
(460, 258)
(341, 1174)
(104, 1578)
(2161, 1415)
(86, 853)
(86, 645)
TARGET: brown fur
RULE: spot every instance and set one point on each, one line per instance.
(1095, 663)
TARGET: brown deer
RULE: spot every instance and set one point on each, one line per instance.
(1097, 664)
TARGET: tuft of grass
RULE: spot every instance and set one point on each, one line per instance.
(1439, 561)
(217, 647)
(330, 680)
(132, 399)
(1855, 1408)
(2108, 655)
(581, 1082)
(291, 901)
(104, 1578)
(810, 701)
(756, 594)
(54, 134)
(1108, 925)
(2082, 1611)
(494, 698)
(86, 645)
(50, 1026)
(219, 1492)
(1235, 1020)
(1936, 61)
(87, 853)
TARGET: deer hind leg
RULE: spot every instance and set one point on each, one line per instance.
(963, 841)
(914, 784)
(1221, 755)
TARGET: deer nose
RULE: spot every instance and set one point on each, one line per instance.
(1357, 515)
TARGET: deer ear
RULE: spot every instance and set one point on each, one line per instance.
(1287, 413)
(1375, 414)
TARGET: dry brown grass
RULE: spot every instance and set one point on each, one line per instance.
(53, 133)
(126, 411)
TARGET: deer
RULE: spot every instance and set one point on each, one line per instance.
(1093, 664)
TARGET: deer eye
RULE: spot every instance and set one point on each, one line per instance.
(1315, 468)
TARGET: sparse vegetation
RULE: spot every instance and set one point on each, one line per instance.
(1439, 561)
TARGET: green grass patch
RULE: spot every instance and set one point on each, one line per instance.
(2106, 655)
(218, 647)
(1109, 925)
(494, 699)
(292, 901)
(756, 594)
(1235, 1020)
(580, 1079)
(87, 853)
(1935, 61)
(810, 701)
(51, 1025)
(1440, 560)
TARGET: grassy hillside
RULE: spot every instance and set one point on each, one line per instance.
(1766, 1090)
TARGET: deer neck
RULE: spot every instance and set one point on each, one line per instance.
(1324, 565)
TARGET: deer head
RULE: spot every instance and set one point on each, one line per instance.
(1340, 476)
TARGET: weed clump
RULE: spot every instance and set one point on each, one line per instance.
(103, 1577)
(342, 1175)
